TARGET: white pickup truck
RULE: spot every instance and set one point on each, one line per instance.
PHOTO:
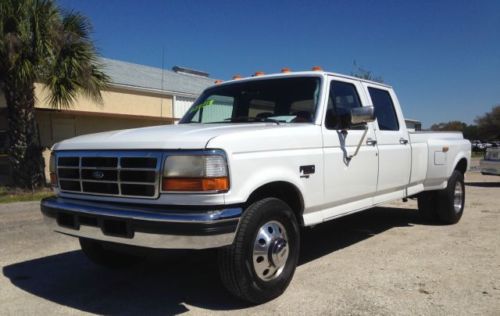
(251, 162)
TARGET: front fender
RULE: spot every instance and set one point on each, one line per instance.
(258, 178)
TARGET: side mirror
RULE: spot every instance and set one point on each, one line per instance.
(361, 115)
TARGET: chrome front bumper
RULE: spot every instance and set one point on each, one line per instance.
(144, 226)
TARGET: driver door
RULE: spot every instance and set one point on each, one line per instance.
(349, 184)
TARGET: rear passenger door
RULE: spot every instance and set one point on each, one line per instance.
(392, 142)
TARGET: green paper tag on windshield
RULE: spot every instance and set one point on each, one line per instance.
(202, 105)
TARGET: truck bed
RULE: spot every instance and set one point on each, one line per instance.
(420, 136)
(433, 154)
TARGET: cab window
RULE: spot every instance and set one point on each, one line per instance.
(343, 97)
(384, 110)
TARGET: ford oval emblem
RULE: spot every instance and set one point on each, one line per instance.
(98, 174)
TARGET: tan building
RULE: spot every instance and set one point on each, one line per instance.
(138, 96)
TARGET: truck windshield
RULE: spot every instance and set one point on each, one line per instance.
(290, 100)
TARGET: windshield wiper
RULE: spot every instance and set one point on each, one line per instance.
(266, 119)
(253, 119)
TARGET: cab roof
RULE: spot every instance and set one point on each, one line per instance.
(313, 73)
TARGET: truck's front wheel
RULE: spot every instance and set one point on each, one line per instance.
(260, 263)
(103, 254)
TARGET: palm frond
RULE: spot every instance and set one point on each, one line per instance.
(44, 21)
(39, 43)
(77, 25)
(75, 69)
(26, 37)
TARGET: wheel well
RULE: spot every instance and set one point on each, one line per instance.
(284, 191)
(462, 165)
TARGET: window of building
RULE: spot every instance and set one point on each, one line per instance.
(384, 110)
(182, 105)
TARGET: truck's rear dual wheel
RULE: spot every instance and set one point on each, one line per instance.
(447, 205)
(103, 254)
(260, 263)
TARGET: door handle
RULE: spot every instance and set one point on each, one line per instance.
(403, 141)
(371, 142)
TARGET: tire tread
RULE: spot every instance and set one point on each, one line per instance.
(437, 206)
(231, 274)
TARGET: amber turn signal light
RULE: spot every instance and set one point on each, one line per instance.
(195, 184)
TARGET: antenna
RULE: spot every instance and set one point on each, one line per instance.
(162, 78)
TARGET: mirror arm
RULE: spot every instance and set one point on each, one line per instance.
(359, 144)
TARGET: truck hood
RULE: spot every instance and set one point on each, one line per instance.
(182, 136)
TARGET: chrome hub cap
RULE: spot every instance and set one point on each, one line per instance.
(458, 197)
(270, 250)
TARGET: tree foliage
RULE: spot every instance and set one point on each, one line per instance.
(469, 131)
(363, 73)
(39, 43)
(449, 126)
(488, 125)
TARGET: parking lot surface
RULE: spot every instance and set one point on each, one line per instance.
(384, 261)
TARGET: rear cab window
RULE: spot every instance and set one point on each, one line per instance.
(385, 112)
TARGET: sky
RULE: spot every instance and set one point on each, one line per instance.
(442, 57)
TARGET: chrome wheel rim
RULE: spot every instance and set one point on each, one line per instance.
(270, 250)
(458, 197)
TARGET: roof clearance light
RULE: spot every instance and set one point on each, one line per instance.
(258, 73)
(317, 68)
(236, 77)
(285, 70)
(217, 81)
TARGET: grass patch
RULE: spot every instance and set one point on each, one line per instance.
(9, 195)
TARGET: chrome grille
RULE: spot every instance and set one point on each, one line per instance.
(127, 174)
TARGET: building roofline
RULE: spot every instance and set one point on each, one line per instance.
(107, 114)
(133, 76)
(152, 90)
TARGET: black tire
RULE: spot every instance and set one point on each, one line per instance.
(236, 264)
(447, 212)
(439, 206)
(427, 206)
(104, 254)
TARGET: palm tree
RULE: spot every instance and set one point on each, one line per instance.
(40, 43)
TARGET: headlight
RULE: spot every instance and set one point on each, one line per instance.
(195, 173)
(53, 171)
